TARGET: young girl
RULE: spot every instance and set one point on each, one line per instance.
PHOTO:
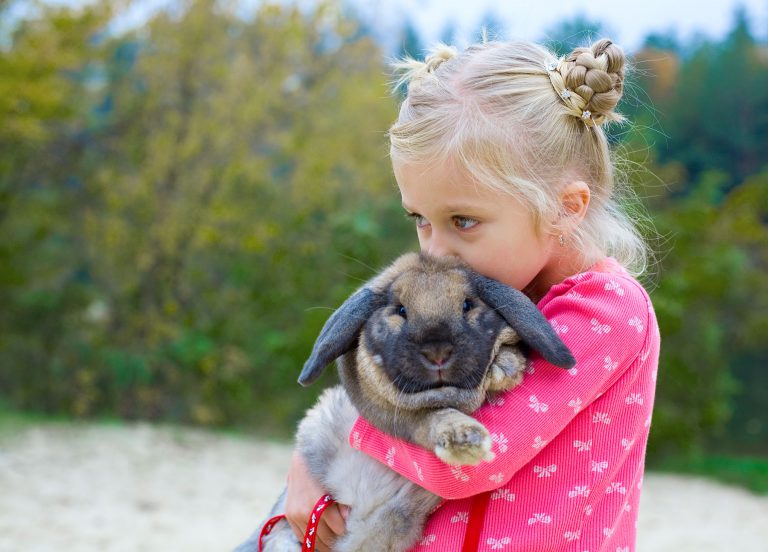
(501, 160)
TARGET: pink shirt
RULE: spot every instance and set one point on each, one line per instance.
(569, 444)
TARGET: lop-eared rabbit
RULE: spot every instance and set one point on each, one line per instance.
(418, 348)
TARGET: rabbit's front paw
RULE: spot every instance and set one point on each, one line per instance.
(461, 439)
(507, 369)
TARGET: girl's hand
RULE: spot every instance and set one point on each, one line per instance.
(302, 494)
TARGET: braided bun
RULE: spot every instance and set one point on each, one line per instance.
(590, 81)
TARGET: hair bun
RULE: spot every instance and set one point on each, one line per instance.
(413, 71)
(440, 53)
(596, 74)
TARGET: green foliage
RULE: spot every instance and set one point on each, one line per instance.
(748, 472)
(700, 115)
(709, 298)
(716, 118)
(223, 178)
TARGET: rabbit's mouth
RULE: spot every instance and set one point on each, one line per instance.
(401, 381)
(437, 374)
(412, 386)
(432, 377)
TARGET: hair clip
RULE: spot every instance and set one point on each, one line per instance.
(586, 115)
(552, 65)
(565, 94)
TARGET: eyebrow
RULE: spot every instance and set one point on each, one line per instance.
(454, 209)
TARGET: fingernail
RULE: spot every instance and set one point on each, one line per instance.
(344, 510)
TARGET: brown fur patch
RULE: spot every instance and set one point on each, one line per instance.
(395, 322)
(452, 288)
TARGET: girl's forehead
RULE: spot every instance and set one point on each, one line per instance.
(441, 183)
(443, 167)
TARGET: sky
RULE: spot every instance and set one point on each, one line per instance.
(628, 22)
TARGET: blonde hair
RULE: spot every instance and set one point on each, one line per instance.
(521, 121)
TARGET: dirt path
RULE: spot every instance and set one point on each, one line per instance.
(142, 488)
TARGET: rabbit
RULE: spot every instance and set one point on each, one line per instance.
(418, 348)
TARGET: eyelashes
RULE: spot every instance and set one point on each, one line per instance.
(459, 221)
(464, 223)
(417, 219)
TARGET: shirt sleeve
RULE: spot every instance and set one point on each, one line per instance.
(603, 318)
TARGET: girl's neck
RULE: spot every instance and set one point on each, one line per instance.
(567, 263)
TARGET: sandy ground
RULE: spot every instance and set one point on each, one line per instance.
(143, 488)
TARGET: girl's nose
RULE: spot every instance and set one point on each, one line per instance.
(438, 246)
(438, 251)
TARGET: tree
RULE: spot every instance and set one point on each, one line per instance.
(718, 117)
(233, 175)
(45, 80)
(708, 296)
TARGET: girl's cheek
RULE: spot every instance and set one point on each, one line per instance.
(423, 237)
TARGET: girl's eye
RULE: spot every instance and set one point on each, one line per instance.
(401, 311)
(421, 222)
(467, 305)
(464, 223)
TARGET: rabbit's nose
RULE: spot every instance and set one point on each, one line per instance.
(437, 353)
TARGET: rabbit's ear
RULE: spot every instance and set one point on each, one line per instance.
(340, 332)
(526, 319)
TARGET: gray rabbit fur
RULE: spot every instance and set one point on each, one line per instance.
(418, 348)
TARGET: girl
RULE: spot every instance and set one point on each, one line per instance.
(501, 160)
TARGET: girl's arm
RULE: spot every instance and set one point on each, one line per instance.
(604, 319)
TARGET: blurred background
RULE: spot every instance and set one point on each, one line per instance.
(188, 188)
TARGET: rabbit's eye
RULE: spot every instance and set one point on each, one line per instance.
(401, 311)
(467, 305)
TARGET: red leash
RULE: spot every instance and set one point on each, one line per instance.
(267, 529)
(311, 533)
(471, 539)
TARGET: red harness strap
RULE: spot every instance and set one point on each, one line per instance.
(475, 526)
(311, 533)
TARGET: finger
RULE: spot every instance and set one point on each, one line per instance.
(325, 539)
(298, 531)
(326, 535)
(335, 520)
(330, 528)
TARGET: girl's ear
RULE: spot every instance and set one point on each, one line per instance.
(574, 200)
